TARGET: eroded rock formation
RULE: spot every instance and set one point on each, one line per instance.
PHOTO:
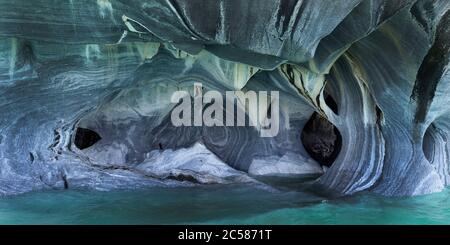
(85, 90)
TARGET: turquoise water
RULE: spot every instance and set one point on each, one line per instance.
(218, 205)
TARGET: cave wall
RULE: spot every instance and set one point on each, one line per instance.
(110, 66)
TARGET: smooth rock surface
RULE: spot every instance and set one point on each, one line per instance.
(111, 66)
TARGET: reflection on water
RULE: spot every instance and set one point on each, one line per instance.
(219, 205)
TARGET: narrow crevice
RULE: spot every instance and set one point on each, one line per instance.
(66, 183)
(182, 178)
(31, 157)
(380, 117)
(428, 144)
(331, 103)
(330, 95)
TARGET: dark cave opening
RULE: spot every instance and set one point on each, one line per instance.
(321, 139)
(329, 95)
(429, 142)
(85, 138)
(331, 103)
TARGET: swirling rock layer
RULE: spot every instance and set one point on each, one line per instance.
(85, 90)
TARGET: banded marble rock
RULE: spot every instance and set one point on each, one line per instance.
(364, 88)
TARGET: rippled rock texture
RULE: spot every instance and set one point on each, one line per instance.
(364, 85)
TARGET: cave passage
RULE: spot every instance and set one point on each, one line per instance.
(321, 140)
(85, 138)
(331, 103)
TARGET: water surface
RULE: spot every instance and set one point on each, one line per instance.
(218, 205)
